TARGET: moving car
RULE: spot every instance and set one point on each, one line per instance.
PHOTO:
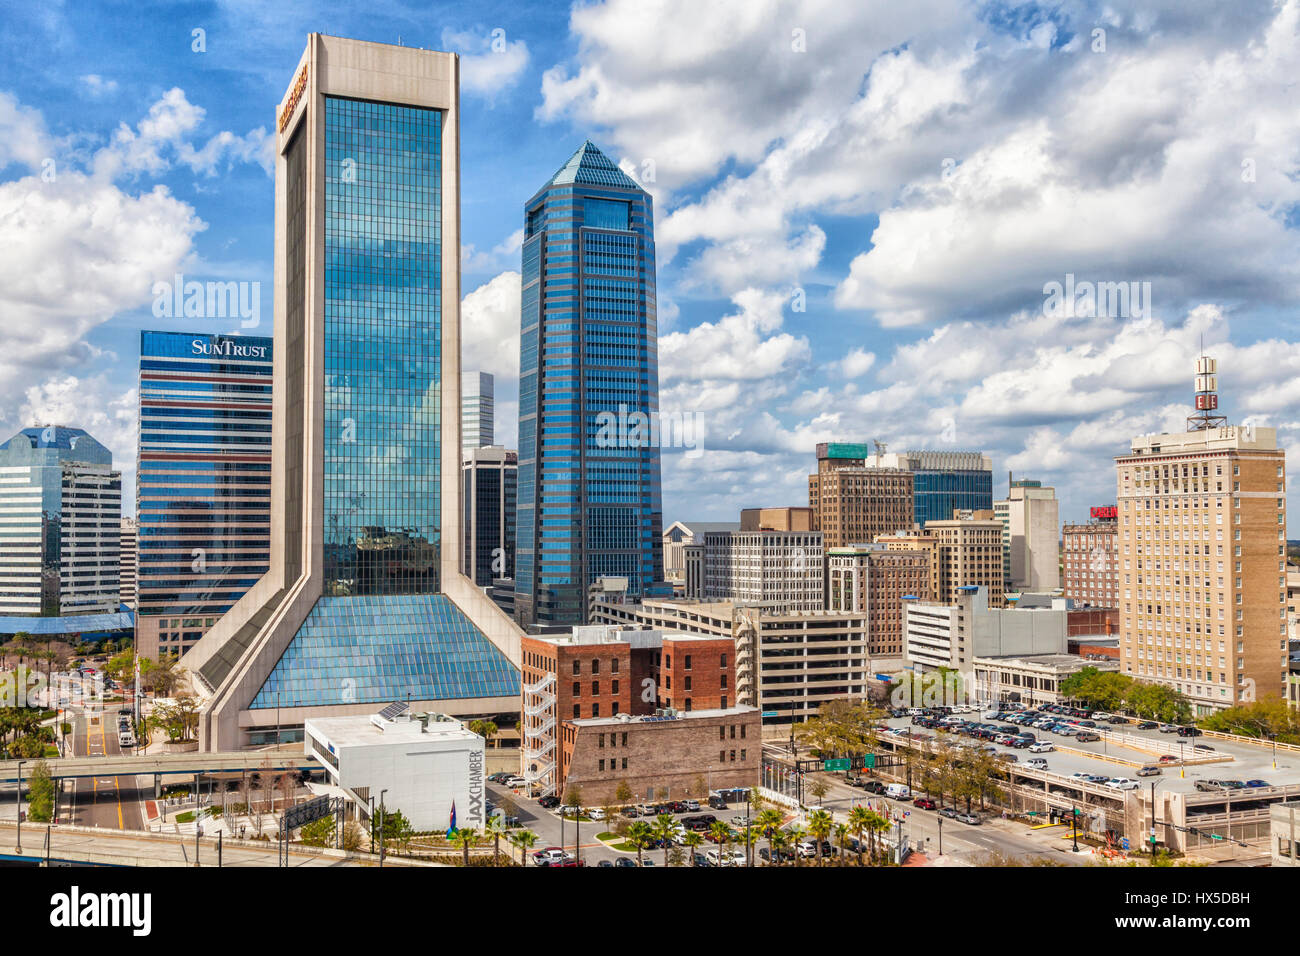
(1087, 736)
(550, 856)
(1038, 763)
(1147, 725)
(925, 803)
(548, 803)
(1188, 732)
(1149, 770)
(968, 818)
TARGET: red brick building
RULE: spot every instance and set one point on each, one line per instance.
(1091, 567)
(604, 672)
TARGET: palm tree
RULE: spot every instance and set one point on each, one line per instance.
(768, 822)
(820, 825)
(496, 827)
(796, 833)
(842, 834)
(639, 835)
(486, 729)
(465, 838)
(665, 828)
(692, 841)
(878, 825)
(523, 840)
(860, 823)
(777, 842)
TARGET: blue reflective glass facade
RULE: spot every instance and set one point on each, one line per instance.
(375, 649)
(939, 493)
(383, 347)
(587, 506)
(203, 481)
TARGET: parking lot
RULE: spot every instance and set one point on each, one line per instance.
(1110, 758)
(546, 823)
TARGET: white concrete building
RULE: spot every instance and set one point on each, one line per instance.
(783, 570)
(477, 411)
(428, 763)
(1031, 521)
(938, 635)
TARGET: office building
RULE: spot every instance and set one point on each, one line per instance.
(953, 635)
(589, 493)
(777, 519)
(203, 482)
(853, 503)
(1031, 680)
(127, 562)
(943, 482)
(491, 476)
(966, 552)
(618, 678)
(783, 570)
(1031, 520)
(1202, 535)
(364, 602)
(60, 524)
(876, 581)
(788, 664)
(678, 535)
(1089, 560)
(477, 410)
(428, 766)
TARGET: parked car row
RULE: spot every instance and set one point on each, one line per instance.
(1210, 785)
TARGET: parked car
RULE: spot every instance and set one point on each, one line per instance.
(1087, 736)
(1168, 729)
(1201, 747)
(548, 803)
(1147, 725)
(1122, 783)
(1038, 763)
(596, 813)
(948, 812)
(1258, 783)
(1189, 732)
(550, 856)
(1149, 770)
(631, 812)
(1168, 759)
(1207, 786)
(925, 803)
(1041, 748)
(692, 806)
(625, 861)
(516, 781)
(968, 818)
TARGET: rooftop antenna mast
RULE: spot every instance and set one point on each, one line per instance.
(1207, 395)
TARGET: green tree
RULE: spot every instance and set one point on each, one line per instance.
(665, 828)
(496, 828)
(692, 841)
(486, 729)
(319, 832)
(523, 841)
(820, 826)
(40, 794)
(639, 834)
(623, 794)
(1269, 717)
(465, 838)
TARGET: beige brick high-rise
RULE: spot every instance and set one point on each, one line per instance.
(1202, 553)
(852, 503)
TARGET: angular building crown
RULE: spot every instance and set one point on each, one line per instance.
(588, 166)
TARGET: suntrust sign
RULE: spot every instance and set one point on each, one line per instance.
(227, 348)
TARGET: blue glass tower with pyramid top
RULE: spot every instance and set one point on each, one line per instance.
(589, 494)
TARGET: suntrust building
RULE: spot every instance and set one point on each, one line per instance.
(364, 602)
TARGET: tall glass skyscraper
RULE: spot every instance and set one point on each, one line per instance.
(589, 494)
(203, 482)
(60, 519)
(364, 602)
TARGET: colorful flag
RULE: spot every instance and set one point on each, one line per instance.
(451, 829)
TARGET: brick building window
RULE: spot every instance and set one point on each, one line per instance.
(624, 763)
(624, 744)
(595, 688)
(722, 756)
(613, 687)
(595, 665)
(688, 661)
(595, 709)
(577, 689)
(724, 702)
(688, 681)
(613, 665)
(723, 678)
(733, 756)
(577, 667)
(722, 733)
(602, 766)
(577, 710)
(724, 660)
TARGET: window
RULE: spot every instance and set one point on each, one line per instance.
(688, 661)
(602, 766)
(722, 733)
(577, 689)
(595, 709)
(722, 756)
(723, 678)
(613, 687)
(624, 763)
(724, 701)
(595, 665)
(577, 667)
(613, 665)
(595, 688)
(625, 744)
(577, 710)
(688, 682)
(724, 660)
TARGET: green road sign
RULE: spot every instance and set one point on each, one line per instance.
(869, 761)
(840, 764)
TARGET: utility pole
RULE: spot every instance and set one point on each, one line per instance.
(18, 805)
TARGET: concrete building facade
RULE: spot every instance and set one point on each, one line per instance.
(1202, 538)
(1031, 536)
(780, 569)
(477, 411)
(364, 601)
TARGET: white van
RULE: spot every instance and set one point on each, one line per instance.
(898, 791)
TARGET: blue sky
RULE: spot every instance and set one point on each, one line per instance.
(858, 207)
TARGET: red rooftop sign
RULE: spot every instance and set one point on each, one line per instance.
(1105, 511)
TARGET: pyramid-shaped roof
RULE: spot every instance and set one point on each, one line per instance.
(588, 166)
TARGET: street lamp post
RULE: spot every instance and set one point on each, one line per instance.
(1074, 826)
(372, 823)
(941, 836)
(18, 805)
(382, 841)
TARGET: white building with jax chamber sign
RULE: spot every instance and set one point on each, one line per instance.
(427, 763)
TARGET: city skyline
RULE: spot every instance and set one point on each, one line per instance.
(974, 361)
